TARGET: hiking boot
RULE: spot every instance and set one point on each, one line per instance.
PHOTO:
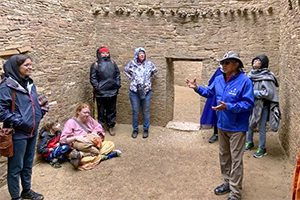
(112, 131)
(213, 138)
(31, 195)
(134, 134)
(260, 152)
(249, 146)
(145, 133)
(222, 189)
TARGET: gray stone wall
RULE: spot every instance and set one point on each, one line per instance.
(289, 77)
(62, 37)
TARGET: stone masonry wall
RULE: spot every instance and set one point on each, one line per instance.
(289, 76)
(62, 37)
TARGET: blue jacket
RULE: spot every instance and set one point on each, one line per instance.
(237, 93)
(209, 116)
(28, 113)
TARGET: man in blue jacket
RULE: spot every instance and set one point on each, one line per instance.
(234, 95)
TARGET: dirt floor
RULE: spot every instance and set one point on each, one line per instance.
(168, 165)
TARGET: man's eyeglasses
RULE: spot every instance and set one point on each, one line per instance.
(226, 62)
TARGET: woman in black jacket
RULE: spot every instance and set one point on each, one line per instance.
(106, 81)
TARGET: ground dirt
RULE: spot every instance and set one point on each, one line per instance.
(169, 164)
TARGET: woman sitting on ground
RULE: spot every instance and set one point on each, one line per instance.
(86, 136)
(49, 147)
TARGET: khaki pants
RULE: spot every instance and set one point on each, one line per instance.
(231, 151)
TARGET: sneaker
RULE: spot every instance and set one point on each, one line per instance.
(113, 154)
(31, 195)
(119, 152)
(260, 152)
(54, 163)
(213, 138)
(145, 133)
(134, 134)
(112, 131)
(18, 198)
(249, 146)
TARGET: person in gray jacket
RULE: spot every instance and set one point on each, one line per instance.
(266, 99)
(106, 81)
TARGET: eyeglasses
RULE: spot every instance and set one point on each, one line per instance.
(226, 62)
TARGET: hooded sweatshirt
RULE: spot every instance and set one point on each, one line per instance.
(140, 73)
(27, 114)
(105, 77)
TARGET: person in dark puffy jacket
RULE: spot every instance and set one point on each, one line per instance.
(49, 147)
(18, 89)
(106, 81)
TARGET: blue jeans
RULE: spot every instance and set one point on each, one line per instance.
(59, 152)
(20, 166)
(136, 104)
(262, 129)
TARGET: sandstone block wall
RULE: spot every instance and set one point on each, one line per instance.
(289, 77)
(62, 37)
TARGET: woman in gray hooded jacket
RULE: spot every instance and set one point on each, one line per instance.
(266, 99)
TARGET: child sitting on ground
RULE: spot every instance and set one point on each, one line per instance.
(49, 147)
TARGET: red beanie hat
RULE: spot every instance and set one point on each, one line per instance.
(103, 49)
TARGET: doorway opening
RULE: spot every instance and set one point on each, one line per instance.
(187, 103)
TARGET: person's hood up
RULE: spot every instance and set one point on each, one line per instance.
(136, 54)
(11, 69)
(98, 55)
(264, 60)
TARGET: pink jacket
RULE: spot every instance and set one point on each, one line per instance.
(72, 128)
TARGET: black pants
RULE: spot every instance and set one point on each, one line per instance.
(107, 110)
(215, 129)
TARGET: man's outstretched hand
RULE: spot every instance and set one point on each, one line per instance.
(191, 83)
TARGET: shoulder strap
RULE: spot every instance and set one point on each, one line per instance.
(13, 100)
(81, 125)
(96, 65)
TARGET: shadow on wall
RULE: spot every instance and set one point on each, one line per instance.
(285, 138)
